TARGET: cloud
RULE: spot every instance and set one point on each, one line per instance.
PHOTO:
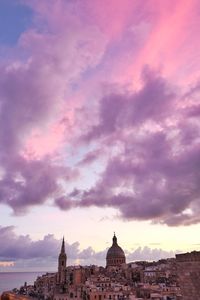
(19, 252)
(91, 157)
(33, 100)
(22, 247)
(32, 183)
(152, 102)
(149, 254)
(71, 94)
(153, 174)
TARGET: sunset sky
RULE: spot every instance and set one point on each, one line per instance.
(99, 130)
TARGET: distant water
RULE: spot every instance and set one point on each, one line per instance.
(11, 280)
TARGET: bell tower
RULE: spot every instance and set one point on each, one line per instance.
(62, 263)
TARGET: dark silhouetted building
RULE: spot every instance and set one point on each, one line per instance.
(115, 256)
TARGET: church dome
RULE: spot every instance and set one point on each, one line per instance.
(115, 255)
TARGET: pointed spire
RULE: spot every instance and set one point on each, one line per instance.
(114, 239)
(63, 246)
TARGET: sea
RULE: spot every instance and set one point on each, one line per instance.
(11, 280)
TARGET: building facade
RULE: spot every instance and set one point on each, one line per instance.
(116, 281)
(188, 268)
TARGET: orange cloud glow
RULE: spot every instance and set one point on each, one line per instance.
(6, 263)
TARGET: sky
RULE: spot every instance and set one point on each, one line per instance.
(99, 130)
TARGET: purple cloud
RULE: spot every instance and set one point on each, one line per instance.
(31, 183)
(149, 254)
(33, 89)
(146, 130)
(154, 174)
(152, 102)
(42, 254)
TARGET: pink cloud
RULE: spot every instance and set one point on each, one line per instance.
(156, 38)
(167, 36)
(154, 174)
(80, 85)
(37, 107)
(111, 17)
(41, 144)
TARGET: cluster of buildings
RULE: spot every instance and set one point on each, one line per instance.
(168, 279)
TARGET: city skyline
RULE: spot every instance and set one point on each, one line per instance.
(99, 117)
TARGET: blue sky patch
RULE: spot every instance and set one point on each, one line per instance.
(14, 19)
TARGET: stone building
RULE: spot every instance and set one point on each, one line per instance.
(102, 287)
(115, 256)
(188, 268)
(45, 284)
(118, 281)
